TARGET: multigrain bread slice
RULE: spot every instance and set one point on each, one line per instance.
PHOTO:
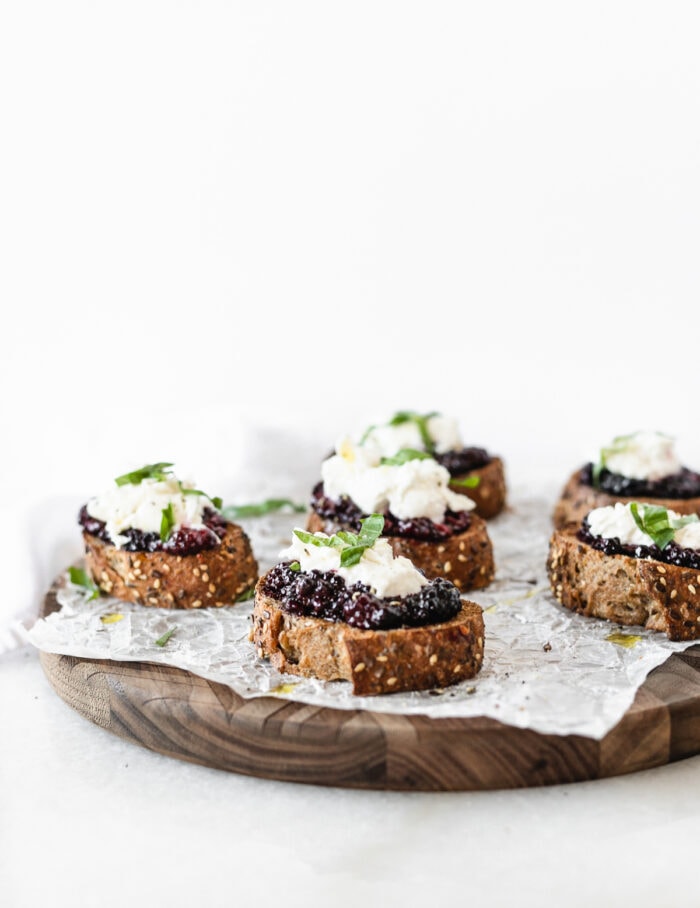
(374, 661)
(623, 589)
(489, 495)
(212, 577)
(465, 558)
(578, 498)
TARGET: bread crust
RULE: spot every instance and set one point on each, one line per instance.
(578, 498)
(374, 661)
(215, 577)
(490, 495)
(465, 558)
(631, 591)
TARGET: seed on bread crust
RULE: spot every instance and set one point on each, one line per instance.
(168, 581)
(621, 588)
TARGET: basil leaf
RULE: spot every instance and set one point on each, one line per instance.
(311, 538)
(421, 423)
(217, 502)
(294, 566)
(404, 456)
(245, 596)
(157, 471)
(81, 578)
(619, 444)
(469, 482)
(370, 530)
(654, 520)
(236, 512)
(161, 641)
(167, 522)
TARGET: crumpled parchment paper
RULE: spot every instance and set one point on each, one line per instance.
(545, 668)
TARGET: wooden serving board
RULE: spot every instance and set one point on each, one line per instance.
(177, 713)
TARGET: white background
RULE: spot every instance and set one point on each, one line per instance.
(222, 223)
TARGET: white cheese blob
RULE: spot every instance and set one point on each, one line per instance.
(417, 488)
(387, 576)
(618, 521)
(141, 507)
(642, 455)
(387, 439)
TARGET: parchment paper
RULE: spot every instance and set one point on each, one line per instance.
(544, 668)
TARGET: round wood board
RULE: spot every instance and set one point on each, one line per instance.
(179, 714)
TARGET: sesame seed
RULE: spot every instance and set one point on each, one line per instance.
(212, 588)
(166, 568)
(461, 546)
(391, 681)
(483, 569)
(441, 549)
(661, 570)
(456, 669)
(691, 588)
(461, 558)
(195, 571)
(480, 641)
(382, 658)
(674, 593)
(197, 603)
(104, 575)
(433, 659)
(156, 584)
(478, 657)
(205, 578)
(360, 667)
(662, 581)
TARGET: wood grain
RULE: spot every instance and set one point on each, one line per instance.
(181, 715)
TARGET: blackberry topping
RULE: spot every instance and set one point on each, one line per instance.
(183, 540)
(463, 460)
(347, 513)
(670, 554)
(684, 484)
(319, 594)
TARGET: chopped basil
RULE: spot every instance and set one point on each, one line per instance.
(157, 471)
(295, 566)
(161, 641)
(655, 521)
(81, 578)
(404, 456)
(404, 416)
(469, 482)
(421, 423)
(245, 596)
(167, 522)
(237, 511)
(350, 545)
(217, 502)
(618, 445)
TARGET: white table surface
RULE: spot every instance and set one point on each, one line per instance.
(90, 819)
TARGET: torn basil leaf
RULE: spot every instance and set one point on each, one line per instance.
(468, 482)
(404, 456)
(161, 641)
(655, 521)
(158, 471)
(269, 506)
(167, 522)
(81, 578)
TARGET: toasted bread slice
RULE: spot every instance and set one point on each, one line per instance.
(489, 495)
(578, 498)
(631, 591)
(374, 661)
(213, 577)
(465, 558)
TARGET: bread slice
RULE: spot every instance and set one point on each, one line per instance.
(578, 498)
(626, 590)
(374, 661)
(465, 558)
(213, 577)
(489, 495)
